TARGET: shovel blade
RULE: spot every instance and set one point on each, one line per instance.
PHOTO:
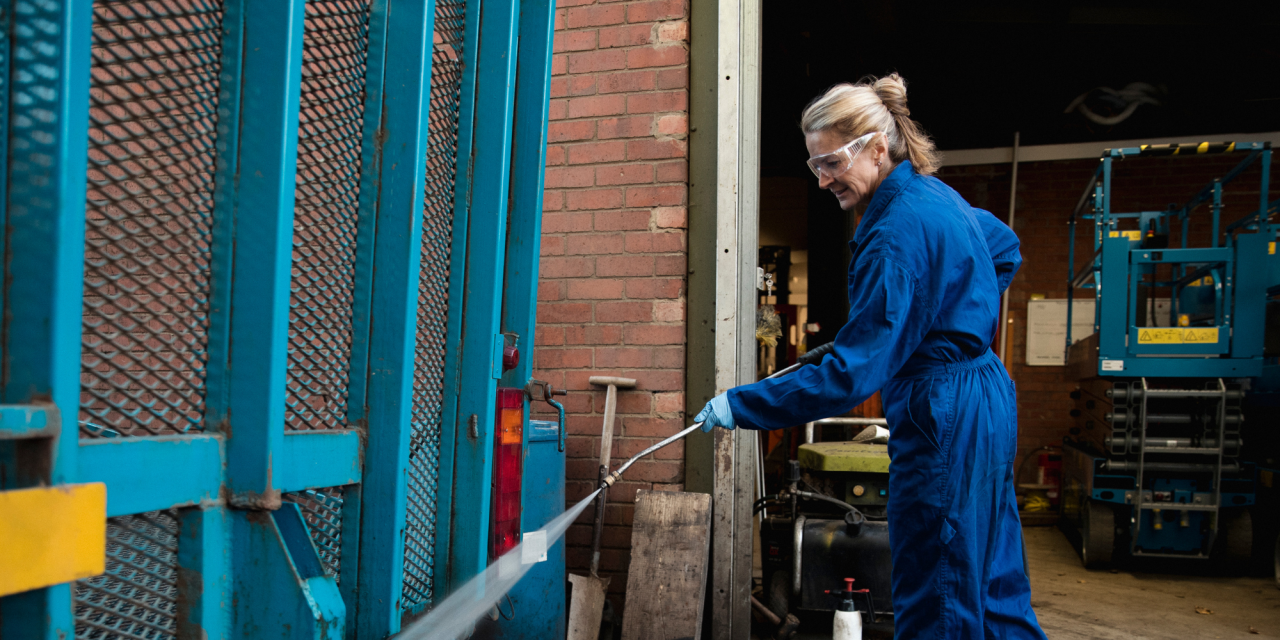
(586, 606)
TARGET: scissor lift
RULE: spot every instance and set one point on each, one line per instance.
(1153, 465)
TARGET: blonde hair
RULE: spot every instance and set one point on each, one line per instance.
(874, 104)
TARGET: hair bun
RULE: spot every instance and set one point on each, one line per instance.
(892, 91)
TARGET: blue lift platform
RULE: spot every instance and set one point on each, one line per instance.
(1154, 466)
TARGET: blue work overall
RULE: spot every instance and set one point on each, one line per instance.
(924, 293)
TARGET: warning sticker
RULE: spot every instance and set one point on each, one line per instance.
(1189, 335)
(1133, 235)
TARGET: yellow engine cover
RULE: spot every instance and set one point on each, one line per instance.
(51, 535)
(845, 456)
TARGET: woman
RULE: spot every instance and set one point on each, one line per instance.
(924, 289)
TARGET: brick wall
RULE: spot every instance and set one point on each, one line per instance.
(612, 289)
(1047, 192)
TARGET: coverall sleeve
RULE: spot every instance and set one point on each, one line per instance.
(888, 319)
(1003, 244)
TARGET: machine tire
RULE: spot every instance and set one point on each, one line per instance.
(1237, 547)
(1098, 535)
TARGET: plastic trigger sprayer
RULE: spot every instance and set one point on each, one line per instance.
(848, 620)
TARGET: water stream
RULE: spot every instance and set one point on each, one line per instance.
(455, 617)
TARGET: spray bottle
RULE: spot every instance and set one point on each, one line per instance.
(848, 620)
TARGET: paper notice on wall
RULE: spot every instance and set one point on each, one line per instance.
(1047, 329)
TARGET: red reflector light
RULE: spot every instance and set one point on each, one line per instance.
(508, 464)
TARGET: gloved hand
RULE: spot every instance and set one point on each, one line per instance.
(716, 414)
(814, 355)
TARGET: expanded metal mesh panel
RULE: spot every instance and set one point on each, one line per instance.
(153, 104)
(322, 509)
(433, 300)
(330, 121)
(137, 596)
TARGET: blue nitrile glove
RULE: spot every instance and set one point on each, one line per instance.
(716, 414)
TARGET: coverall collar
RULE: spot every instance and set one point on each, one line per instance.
(893, 183)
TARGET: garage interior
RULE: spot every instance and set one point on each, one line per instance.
(1068, 80)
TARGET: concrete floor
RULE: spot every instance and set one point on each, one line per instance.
(1074, 603)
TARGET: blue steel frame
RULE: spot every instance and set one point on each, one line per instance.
(246, 566)
(1237, 268)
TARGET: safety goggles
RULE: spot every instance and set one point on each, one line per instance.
(837, 162)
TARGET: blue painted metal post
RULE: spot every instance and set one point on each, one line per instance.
(263, 244)
(47, 145)
(204, 569)
(399, 158)
(482, 302)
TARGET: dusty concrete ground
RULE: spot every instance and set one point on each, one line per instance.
(1072, 602)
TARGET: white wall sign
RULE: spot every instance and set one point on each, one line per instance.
(1047, 329)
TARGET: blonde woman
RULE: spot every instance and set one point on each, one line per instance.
(924, 291)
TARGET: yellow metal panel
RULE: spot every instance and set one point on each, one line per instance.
(845, 456)
(51, 535)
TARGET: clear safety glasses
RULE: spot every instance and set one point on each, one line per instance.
(837, 162)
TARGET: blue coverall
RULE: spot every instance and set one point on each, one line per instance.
(924, 293)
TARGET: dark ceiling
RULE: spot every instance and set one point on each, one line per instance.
(977, 72)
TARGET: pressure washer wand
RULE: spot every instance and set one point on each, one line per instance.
(613, 477)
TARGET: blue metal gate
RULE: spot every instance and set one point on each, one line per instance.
(260, 258)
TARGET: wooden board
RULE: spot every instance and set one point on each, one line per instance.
(586, 606)
(670, 548)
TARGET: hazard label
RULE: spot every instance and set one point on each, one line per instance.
(1189, 335)
(1133, 236)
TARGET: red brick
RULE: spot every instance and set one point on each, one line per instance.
(671, 265)
(659, 56)
(656, 149)
(631, 35)
(593, 61)
(654, 11)
(668, 402)
(581, 85)
(672, 358)
(649, 288)
(575, 40)
(620, 82)
(673, 171)
(552, 246)
(555, 156)
(548, 336)
(595, 289)
(650, 334)
(597, 152)
(655, 196)
(624, 357)
(595, 16)
(559, 65)
(560, 87)
(624, 174)
(594, 199)
(673, 78)
(654, 471)
(630, 127)
(631, 266)
(592, 334)
(673, 125)
(567, 268)
(669, 311)
(660, 101)
(568, 312)
(651, 427)
(566, 222)
(671, 217)
(572, 130)
(568, 177)
(594, 106)
(593, 244)
(673, 31)
(550, 291)
(640, 311)
(563, 358)
(621, 220)
(558, 110)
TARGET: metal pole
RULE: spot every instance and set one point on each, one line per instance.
(1004, 301)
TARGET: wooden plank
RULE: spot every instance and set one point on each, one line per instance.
(586, 606)
(667, 580)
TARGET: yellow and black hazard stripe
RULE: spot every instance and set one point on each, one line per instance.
(1191, 148)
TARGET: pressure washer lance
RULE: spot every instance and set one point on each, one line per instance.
(613, 477)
